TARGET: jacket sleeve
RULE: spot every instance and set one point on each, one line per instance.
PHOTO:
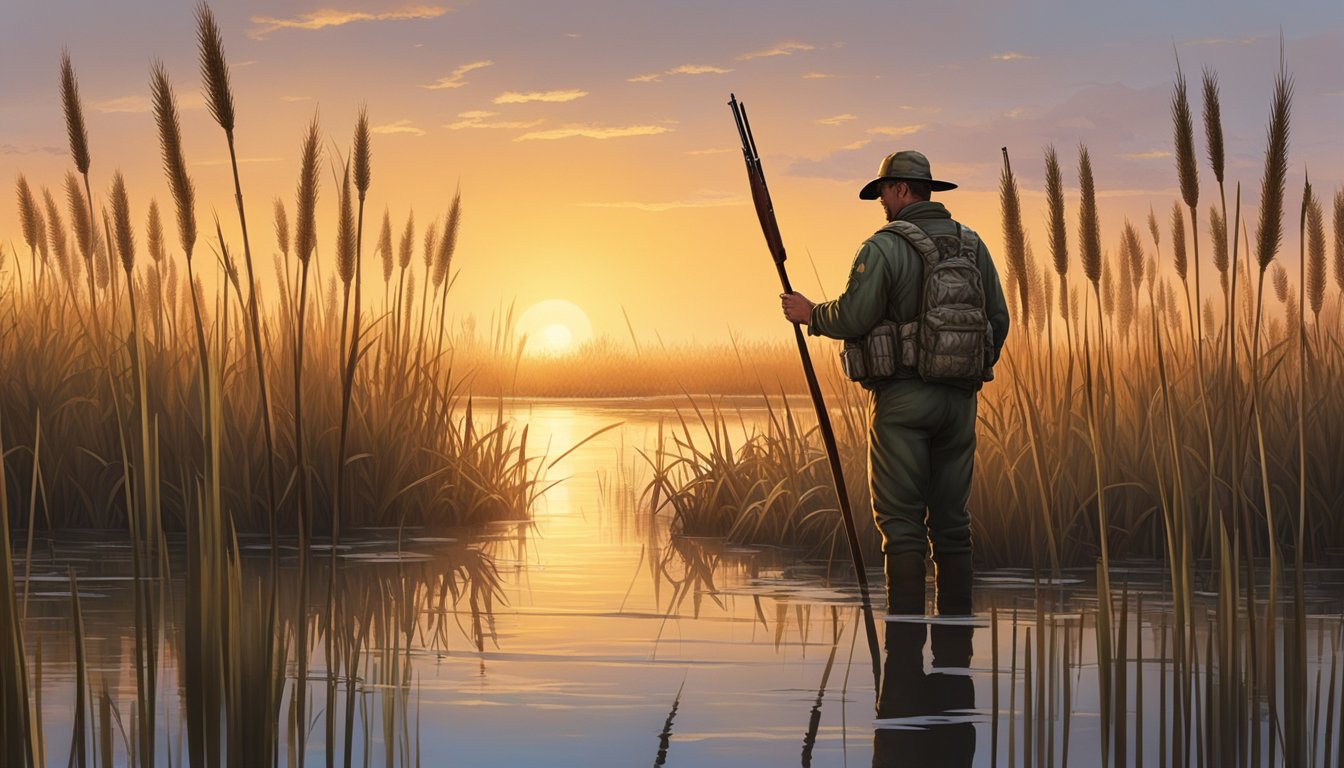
(863, 303)
(996, 306)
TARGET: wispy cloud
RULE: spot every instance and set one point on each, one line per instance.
(1155, 154)
(1223, 41)
(296, 98)
(853, 145)
(457, 78)
(330, 17)
(1012, 56)
(838, 119)
(400, 126)
(703, 200)
(249, 160)
(895, 130)
(714, 151)
(684, 69)
(787, 48)
(14, 149)
(481, 119)
(818, 76)
(514, 97)
(141, 103)
(594, 132)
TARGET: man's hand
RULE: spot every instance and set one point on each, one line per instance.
(796, 307)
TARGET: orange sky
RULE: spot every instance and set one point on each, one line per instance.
(597, 156)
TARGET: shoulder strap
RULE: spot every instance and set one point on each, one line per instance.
(970, 242)
(916, 237)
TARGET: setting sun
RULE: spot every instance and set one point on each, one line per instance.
(553, 327)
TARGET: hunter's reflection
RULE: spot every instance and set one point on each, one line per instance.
(907, 692)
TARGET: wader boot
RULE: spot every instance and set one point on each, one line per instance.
(905, 583)
(954, 584)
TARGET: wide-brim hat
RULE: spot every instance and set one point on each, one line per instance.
(906, 165)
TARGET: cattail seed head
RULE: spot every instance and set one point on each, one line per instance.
(60, 248)
(1153, 230)
(74, 115)
(407, 246)
(1184, 135)
(1339, 239)
(1054, 196)
(121, 218)
(363, 153)
(1178, 239)
(214, 68)
(1218, 235)
(431, 241)
(154, 232)
(1209, 321)
(305, 226)
(28, 214)
(281, 227)
(385, 244)
(174, 160)
(79, 216)
(1213, 123)
(102, 267)
(1108, 290)
(345, 233)
(1315, 276)
(1269, 233)
(1279, 279)
(1089, 222)
(448, 243)
(1132, 248)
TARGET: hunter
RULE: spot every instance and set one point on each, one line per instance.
(923, 318)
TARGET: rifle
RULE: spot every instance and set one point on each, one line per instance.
(765, 211)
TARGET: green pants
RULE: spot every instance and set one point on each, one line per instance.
(921, 454)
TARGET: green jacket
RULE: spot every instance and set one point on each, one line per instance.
(887, 278)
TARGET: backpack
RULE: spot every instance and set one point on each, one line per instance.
(951, 342)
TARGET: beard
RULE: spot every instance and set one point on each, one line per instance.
(891, 215)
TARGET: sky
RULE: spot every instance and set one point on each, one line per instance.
(595, 152)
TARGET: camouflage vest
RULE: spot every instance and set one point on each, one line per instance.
(951, 342)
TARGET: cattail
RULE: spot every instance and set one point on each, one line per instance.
(1153, 230)
(60, 248)
(1054, 196)
(305, 225)
(1213, 124)
(1014, 237)
(154, 232)
(74, 115)
(1217, 233)
(1339, 239)
(1173, 310)
(1269, 233)
(1279, 279)
(1073, 305)
(385, 245)
(1108, 290)
(407, 242)
(280, 280)
(1133, 248)
(431, 241)
(170, 287)
(448, 243)
(153, 290)
(1129, 282)
(1184, 136)
(28, 214)
(79, 216)
(410, 293)
(102, 266)
(121, 217)
(281, 227)
(174, 160)
(214, 68)
(1208, 313)
(1315, 257)
(1046, 292)
(362, 152)
(1150, 276)
(1178, 240)
(1089, 223)
(345, 234)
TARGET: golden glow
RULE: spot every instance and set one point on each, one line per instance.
(554, 327)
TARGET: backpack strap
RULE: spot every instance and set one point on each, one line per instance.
(917, 238)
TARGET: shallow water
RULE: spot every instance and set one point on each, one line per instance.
(617, 644)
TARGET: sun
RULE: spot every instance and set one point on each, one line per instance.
(553, 327)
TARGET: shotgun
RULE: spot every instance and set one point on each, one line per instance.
(765, 211)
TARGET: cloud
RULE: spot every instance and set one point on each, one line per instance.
(456, 80)
(514, 97)
(330, 17)
(838, 119)
(787, 48)
(895, 130)
(684, 69)
(400, 126)
(135, 104)
(860, 144)
(715, 151)
(481, 119)
(1223, 41)
(296, 98)
(594, 132)
(241, 160)
(1012, 56)
(1155, 154)
(13, 149)
(818, 76)
(702, 200)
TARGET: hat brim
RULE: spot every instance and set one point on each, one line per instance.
(871, 190)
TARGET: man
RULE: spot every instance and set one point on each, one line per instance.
(922, 435)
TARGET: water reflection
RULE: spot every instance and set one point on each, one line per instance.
(923, 716)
